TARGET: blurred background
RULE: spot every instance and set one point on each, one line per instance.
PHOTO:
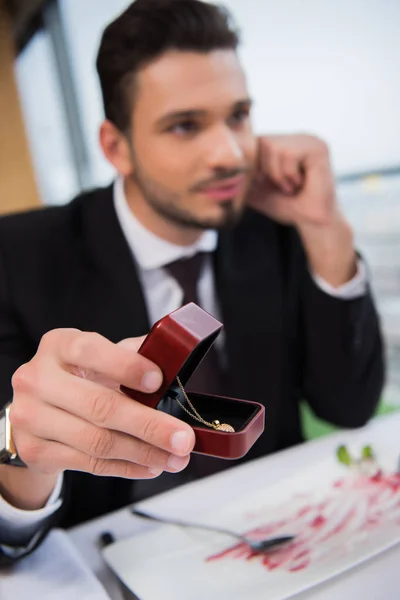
(325, 67)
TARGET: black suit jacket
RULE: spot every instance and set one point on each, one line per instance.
(286, 340)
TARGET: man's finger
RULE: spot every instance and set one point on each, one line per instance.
(291, 168)
(93, 352)
(110, 409)
(271, 166)
(53, 457)
(132, 344)
(52, 424)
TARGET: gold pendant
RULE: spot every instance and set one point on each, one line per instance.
(223, 427)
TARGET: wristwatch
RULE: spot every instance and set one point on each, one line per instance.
(8, 451)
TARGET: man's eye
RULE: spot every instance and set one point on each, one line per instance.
(240, 116)
(184, 128)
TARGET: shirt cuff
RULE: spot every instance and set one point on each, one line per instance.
(355, 288)
(20, 525)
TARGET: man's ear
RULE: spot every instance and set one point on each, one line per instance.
(116, 148)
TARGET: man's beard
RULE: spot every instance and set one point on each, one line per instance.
(166, 204)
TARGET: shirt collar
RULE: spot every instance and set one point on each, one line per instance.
(149, 250)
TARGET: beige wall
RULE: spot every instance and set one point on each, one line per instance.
(18, 189)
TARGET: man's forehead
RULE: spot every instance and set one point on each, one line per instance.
(183, 80)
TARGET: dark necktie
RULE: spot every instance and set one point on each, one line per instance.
(208, 378)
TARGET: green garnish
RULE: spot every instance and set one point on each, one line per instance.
(366, 460)
(344, 456)
(368, 453)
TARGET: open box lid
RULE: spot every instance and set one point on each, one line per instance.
(177, 344)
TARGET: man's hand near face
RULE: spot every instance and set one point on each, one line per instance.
(294, 184)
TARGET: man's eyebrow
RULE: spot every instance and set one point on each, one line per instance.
(197, 112)
(245, 103)
(181, 115)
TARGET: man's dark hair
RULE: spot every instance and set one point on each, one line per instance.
(143, 32)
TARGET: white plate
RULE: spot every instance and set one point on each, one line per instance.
(337, 527)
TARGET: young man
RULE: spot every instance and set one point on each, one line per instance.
(279, 269)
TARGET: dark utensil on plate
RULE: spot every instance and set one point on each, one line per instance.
(258, 546)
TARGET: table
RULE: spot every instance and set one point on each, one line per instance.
(375, 579)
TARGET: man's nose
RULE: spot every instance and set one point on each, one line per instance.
(225, 151)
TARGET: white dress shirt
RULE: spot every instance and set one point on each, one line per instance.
(162, 295)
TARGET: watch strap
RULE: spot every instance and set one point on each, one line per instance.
(8, 451)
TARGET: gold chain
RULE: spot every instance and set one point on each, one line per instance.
(196, 415)
(214, 425)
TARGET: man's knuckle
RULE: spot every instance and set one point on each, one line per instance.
(102, 407)
(20, 378)
(126, 470)
(19, 415)
(130, 470)
(150, 430)
(31, 451)
(32, 379)
(77, 348)
(98, 466)
(48, 338)
(101, 443)
(148, 456)
(321, 145)
(80, 345)
(324, 148)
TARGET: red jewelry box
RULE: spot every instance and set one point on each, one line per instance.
(177, 344)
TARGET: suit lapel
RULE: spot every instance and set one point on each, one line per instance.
(116, 302)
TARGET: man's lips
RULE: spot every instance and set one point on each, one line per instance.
(223, 190)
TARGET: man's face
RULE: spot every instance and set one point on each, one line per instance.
(193, 147)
